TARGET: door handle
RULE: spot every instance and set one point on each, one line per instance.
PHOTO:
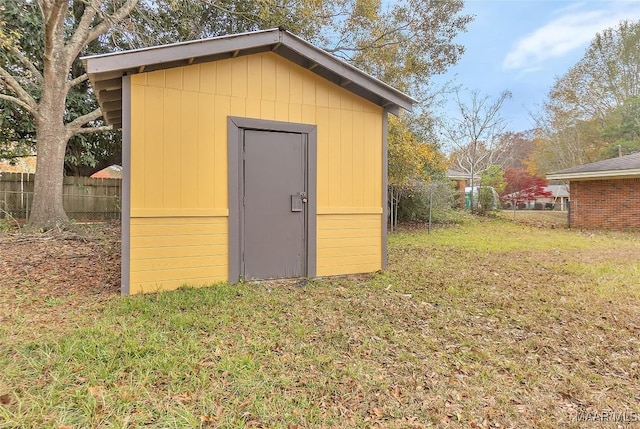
(303, 197)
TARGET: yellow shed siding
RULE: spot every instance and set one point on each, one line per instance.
(349, 244)
(167, 253)
(179, 158)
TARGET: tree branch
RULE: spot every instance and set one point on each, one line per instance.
(45, 9)
(109, 21)
(74, 126)
(79, 38)
(373, 44)
(93, 129)
(27, 100)
(17, 101)
(27, 63)
(53, 26)
(78, 80)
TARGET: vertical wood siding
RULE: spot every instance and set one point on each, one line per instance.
(179, 162)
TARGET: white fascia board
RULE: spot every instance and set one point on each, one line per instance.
(592, 175)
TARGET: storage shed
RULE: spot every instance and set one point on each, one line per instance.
(604, 194)
(251, 156)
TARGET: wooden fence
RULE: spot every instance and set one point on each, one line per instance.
(84, 198)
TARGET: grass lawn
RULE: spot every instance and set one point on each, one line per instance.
(550, 218)
(487, 324)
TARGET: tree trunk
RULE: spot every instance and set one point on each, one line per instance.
(47, 211)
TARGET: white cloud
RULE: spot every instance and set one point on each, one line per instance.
(573, 27)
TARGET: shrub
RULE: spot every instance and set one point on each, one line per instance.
(414, 207)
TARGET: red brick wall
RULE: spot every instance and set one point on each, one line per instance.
(612, 204)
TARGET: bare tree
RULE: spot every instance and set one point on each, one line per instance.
(474, 133)
(513, 149)
(67, 27)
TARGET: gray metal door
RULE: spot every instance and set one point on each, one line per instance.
(273, 214)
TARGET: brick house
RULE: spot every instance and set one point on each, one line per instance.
(462, 179)
(604, 194)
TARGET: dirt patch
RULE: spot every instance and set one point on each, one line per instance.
(71, 269)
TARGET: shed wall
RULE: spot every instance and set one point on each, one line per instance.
(179, 202)
(612, 204)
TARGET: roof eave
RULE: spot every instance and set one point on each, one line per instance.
(594, 175)
(106, 70)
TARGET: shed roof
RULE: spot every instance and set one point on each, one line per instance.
(105, 71)
(624, 166)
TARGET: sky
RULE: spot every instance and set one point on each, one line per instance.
(524, 45)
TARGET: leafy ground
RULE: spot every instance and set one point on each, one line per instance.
(486, 324)
(542, 218)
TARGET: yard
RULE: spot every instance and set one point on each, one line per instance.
(485, 324)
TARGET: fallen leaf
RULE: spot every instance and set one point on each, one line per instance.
(377, 412)
(395, 392)
(182, 398)
(96, 391)
(242, 405)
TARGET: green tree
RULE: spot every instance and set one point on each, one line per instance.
(38, 82)
(403, 43)
(86, 152)
(158, 22)
(590, 108)
(605, 76)
(492, 182)
(622, 129)
(412, 163)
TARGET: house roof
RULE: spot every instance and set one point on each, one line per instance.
(460, 175)
(25, 164)
(105, 71)
(624, 166)
(111, 172)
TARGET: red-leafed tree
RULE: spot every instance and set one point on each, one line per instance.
(522, 186)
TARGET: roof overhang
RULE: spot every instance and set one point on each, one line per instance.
(596, 175)
(462, 177)
(105, 71)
